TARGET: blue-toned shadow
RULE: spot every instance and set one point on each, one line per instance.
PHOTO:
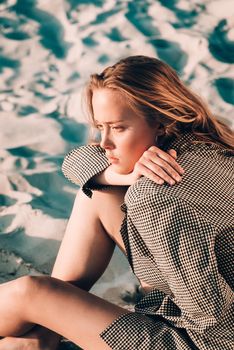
(51, 30)
(225, 88)
(219, 45)
(171, 53)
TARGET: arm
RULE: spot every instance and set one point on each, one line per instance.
(82, 163)
(88, 167)
(154, 164)
(110, 177)
(182, 245)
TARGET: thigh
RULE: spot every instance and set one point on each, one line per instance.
(111, 216)
(70, 311)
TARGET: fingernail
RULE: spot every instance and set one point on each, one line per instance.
(178, 178)
(160, 182)
(172, 182)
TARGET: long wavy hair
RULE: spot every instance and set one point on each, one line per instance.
(154, 91)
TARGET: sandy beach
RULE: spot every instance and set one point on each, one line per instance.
(48, 51)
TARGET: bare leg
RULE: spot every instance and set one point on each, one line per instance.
(96, 220)
(59, 306)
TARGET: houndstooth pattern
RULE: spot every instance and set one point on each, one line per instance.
(180, 240)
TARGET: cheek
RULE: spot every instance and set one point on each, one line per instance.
(140, 146)
(131, 148)
(130, 155)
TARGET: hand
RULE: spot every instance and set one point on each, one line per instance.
(158, 166)
(38, 338)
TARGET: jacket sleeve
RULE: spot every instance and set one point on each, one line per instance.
(182, 244)
(82, 163)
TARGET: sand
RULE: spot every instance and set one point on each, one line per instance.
(48, 51)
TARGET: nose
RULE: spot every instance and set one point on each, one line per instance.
(106, 142)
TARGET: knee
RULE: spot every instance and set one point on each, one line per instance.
(24, 287)
(16, 293)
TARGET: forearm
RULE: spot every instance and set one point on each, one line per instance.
(109, 177)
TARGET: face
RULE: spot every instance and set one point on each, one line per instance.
(124, 135)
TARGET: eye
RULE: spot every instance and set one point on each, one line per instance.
(118, 128)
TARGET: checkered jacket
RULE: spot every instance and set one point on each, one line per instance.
(180, 240)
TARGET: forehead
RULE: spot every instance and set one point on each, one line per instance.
(109, 105)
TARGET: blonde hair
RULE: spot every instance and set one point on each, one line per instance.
(154, 91)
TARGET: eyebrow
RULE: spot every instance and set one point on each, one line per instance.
(114, 122)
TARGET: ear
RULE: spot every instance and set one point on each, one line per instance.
(159, 129)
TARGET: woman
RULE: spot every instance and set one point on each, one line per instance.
(175, 232)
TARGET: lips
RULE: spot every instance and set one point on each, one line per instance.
(112, 159)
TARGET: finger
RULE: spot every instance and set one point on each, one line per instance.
(165, 156)
(157, 164)
(150, 175)
(152, 168)
(172, 153)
